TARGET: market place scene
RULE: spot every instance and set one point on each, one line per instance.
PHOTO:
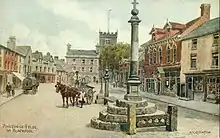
(151, 74)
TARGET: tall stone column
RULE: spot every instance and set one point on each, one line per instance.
(133, 80)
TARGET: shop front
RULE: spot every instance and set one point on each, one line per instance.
(203, 86)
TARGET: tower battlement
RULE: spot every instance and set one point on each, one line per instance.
(108, 34)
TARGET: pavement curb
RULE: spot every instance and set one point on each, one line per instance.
(216, 115)
(12, 98)
(164, 101)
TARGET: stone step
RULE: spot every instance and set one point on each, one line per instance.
(107, 117)
(98, 124)
(149, 109)
(124, 103)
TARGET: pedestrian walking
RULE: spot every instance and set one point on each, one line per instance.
(81, 98)
(12, 89)
(8, 89)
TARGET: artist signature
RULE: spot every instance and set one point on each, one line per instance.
(199, 132)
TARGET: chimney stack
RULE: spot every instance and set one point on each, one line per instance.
(11, 43)
(205, 10)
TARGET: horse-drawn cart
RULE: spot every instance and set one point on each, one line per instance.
(30, 84)
(89, 93)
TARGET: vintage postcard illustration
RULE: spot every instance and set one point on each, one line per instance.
(109, 69)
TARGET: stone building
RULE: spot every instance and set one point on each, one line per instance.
(61, 72)
(86, 62)
(43, 67)
(163, 54)
(200, 69)
(26, 67)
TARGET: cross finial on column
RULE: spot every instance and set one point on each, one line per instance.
(134, 4)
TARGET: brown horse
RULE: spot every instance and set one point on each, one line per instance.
(66, 93)
(63, 91)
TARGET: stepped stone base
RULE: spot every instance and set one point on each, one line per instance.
(115, 117)
(113, 109)
(98, 124)
(124, 103)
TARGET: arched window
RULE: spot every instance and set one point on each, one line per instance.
(168, 54)
(150, 56)
(174, 54)
(154, 56)
(159, 55)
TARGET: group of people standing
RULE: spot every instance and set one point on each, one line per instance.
(10, 89)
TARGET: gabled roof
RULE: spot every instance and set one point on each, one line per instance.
(175, 25)
(82, 52)
(37, 55)
(210, 27)
(157, 30)
(23, 49)
(48, 57)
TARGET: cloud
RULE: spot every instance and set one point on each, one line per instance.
(39, 41)
(94, 18)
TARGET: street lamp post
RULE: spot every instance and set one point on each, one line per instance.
(99, 97)
(101, 81)
(106, 77)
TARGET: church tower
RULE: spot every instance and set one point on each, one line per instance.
(106, 38)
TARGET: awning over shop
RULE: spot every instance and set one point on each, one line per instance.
(18, 75)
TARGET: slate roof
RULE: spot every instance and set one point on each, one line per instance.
(23, 49)
(210, 27)
(82, 52)
(1, 46)
(59, 67)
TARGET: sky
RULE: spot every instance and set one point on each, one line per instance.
(48, 25)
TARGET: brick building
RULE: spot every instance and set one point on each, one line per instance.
(10, 61)
(163, 54)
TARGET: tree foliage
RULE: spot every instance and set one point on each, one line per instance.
(112, 55)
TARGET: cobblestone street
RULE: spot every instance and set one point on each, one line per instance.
(44, 111)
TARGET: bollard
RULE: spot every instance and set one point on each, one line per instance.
(171, 124)
(131, 119)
